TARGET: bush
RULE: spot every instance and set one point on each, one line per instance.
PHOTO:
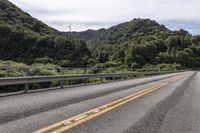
(65, 63)
(12, 69)
(44, 69)
(44, 60)
(160, 67)
(166, 67)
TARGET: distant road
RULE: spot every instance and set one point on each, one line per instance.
(138, 105)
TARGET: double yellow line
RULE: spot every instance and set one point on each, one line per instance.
(69, 123)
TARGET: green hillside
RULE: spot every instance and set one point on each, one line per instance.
(129, 31)
(12, 15)
(25, 39)
(140, 43)
(143, 42)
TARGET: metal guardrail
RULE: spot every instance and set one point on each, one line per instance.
(39, 79)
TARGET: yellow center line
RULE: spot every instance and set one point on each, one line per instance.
(69, 123)
(60, 123)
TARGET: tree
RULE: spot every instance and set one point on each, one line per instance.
(173, 41)
(184, 59)
(165, 58)
(161, 45)
(103, 56)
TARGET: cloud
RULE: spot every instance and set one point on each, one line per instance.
(192, 26)
(84, 14)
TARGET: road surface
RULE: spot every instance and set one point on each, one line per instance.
(167, 103)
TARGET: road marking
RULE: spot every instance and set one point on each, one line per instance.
(77, 119)
(69, 123)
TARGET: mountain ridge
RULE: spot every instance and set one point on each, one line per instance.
(24, 39)
(13, 15)
(132, 44)
(97, 33)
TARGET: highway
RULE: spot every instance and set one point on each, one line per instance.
(167, 103)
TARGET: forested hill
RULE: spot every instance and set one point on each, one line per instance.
(143, 43)
(26, 39)
(13, 15)
(88, 35)
(128, 31)
(140, 43)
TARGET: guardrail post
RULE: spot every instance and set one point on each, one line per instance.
(61, 82)
(113, 78)
(26, 88)
(85, 80)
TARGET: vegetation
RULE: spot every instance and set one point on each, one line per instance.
(139, 45)
(14, 69)
(141, 42)
(24, 39)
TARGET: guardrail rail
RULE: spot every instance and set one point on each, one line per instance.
(39, 79)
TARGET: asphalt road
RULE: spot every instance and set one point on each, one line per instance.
(184, 117)
(149, 113)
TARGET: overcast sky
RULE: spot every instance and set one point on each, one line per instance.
(95, 14)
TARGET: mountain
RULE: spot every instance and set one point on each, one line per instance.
(121, 33)
(12, 15)
(24, 39)
(88, 35)
(141, 42)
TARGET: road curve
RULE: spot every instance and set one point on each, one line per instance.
(121, 119)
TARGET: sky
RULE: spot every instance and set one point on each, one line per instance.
(96, 14)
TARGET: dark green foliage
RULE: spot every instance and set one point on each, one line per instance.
(88, 35)
(14, 69)
(132, 31)
(25, 39)
(138, 45)
(160, 67)
(133, 44)
(142, 41)
(12, 15)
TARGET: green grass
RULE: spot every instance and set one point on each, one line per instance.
(14, 69)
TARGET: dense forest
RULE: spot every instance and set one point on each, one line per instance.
(25, 39)
(138, 44)
(143, 42)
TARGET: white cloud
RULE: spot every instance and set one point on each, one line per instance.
(105, 13)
